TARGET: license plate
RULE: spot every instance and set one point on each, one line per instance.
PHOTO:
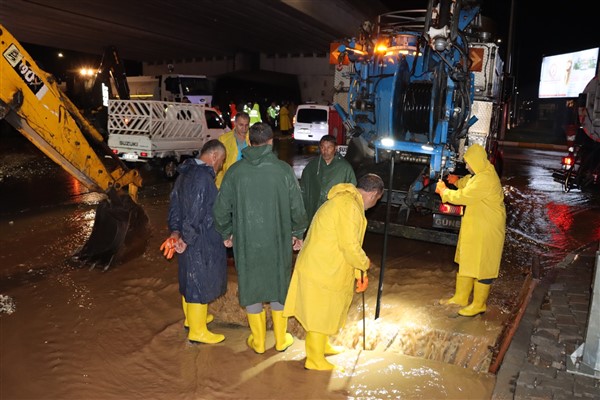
(342, 149)
(443, 221)
(130, 156)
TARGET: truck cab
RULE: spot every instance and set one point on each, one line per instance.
(197, 89)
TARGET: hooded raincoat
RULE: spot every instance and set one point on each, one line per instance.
(260, 204)
(233, 153)
(318, 178)
(322, 284)
(285, 121)
(203, 264)
(482, 230)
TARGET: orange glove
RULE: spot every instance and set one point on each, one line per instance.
(452, 179)
(440, 187)
(168, 247)
(362, 283)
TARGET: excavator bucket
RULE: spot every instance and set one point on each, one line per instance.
(33, 103)
(120, 233)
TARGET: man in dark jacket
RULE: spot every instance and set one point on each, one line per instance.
(322, 173)
(202, 256)
(259, 211)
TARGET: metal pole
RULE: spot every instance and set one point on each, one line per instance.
(362, 275)
(385, 234)
(585, 360)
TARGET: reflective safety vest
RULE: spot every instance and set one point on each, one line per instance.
(272, 111)
(255, 115)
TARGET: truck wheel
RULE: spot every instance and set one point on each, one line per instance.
(170, 169)
(567, 184)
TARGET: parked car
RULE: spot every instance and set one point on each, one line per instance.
(313, 121)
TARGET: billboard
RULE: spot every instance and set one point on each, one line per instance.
(566, 75)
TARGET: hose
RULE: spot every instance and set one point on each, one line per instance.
(417, 107)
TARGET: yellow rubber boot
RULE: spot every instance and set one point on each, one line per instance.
(315, 353)
(331, 350)
(186, 325)
(199, 333)
(283, 339)
(481, 292)
(258, 331)
(464, 286)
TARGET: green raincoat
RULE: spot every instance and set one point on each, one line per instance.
(481, 236)
(318, 178)
(322, 284)
(260, 204)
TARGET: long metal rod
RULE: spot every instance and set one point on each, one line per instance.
(385, 235)
(362, 277)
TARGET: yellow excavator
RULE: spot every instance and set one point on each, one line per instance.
(32, 102)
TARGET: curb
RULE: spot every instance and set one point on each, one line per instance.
(543, 146)
(515, 359)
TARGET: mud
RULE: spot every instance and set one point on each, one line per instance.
(79, 333)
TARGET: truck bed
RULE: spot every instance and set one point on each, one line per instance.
(140, 130)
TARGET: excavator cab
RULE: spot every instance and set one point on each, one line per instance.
(32, 102)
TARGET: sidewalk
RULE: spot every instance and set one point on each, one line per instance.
(534, 138)
(553, 327)
(543, 146)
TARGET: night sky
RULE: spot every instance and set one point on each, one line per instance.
(545, 29)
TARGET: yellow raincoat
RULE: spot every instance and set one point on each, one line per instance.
(285, 122)
(481, 236)
(322, 283)
(230, 143)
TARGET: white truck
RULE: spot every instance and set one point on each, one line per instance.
(198, 89)
(160, 133)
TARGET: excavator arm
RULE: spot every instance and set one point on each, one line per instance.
(32, 102)
(113, 69)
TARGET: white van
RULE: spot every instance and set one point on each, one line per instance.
(313, 121)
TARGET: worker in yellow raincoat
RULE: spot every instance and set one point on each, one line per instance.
(322, 284)
(235, 141)
(482, 230)
(285, 120)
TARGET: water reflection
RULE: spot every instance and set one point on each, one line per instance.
(540, 216)
(38, 184)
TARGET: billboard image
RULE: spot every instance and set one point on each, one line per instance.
(566, 75)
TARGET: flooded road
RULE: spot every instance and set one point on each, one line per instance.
(118, 334)
(539, 213)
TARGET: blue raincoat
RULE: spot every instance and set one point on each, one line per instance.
(203, 265)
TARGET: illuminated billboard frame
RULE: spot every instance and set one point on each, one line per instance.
(566, 75)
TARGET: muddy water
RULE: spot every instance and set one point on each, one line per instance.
(87, 334)
(541, 218)
(119, 334)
